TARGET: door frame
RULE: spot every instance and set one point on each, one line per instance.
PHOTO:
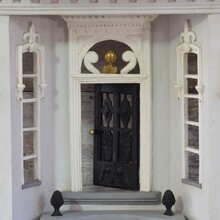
(145, 170)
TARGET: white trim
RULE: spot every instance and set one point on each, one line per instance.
(79, 44)
(209, 7)
(188, 38)
(34, 47)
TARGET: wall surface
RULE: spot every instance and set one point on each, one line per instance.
(60, 105)
(212, 80)
(161, 117)
(30, 203)
(5, 120)
(194, 202)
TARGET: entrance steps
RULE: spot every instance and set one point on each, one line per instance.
(113, 215)
(101, 200)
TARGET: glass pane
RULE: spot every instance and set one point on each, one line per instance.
(30, 88)
(126, 111)
(107, 110)
(29, 115)
(28, 63)
(193, 110)
(29, 170)
(191, 86)
(29, 142)
(192, 63)
(193, 166)
(193, 136)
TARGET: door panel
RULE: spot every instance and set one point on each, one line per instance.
(116, 143)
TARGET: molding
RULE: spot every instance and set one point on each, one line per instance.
(109, 24)
(32, 46)
(86, 31)
(150, 7)
(188, 38)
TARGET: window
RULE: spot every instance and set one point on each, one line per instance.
(190, 90)
(30, 88)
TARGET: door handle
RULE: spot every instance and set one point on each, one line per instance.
(92, 132)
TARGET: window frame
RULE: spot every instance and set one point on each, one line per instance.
(32, 46)
(188, 45)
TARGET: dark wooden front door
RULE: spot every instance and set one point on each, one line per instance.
(116, 141)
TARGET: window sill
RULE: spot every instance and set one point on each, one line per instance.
(192, 183)
(31, 184)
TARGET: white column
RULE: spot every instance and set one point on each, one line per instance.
(5, 119)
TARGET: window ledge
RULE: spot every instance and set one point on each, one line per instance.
(191, 183)
(31, 184)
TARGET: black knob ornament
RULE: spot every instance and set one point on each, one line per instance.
(57, 201)
(168, 201)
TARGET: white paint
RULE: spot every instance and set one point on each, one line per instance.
(196, 202)
(129, 56)
(135, 32)
(32, 46)
(188, 45)
(5, 118)
(32, 202)
(212, 138)
(160, 105)
(95, 7)
(60, 106)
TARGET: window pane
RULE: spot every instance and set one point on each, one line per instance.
(193, 166)
(193, 136)
(193, 110)
(30, 88)
(107, 110)
(192, 63)
(125, 111)
(191, 86)
(28, 63)
(29, 142)
(29, 115)
(29, 170)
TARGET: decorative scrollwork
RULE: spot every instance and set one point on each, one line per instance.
(90, 58)
(129, 56)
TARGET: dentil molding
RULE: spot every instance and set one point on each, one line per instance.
(88, 25)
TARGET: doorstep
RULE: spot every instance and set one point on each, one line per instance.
(112, 198)
(113, 215)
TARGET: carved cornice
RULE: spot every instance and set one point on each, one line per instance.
(109, 24)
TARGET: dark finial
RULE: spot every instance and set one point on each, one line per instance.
(56, 201)
(168, 200)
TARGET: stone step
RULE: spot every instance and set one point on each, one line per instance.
(114, 215)
(113, 198)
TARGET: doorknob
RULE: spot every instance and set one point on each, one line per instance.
(92, 132)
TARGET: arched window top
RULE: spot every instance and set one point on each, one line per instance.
(189, 56)
(110, 56)
(33, 47)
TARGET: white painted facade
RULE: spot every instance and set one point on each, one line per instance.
(28, 204)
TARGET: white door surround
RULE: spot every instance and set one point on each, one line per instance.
(84, 32)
